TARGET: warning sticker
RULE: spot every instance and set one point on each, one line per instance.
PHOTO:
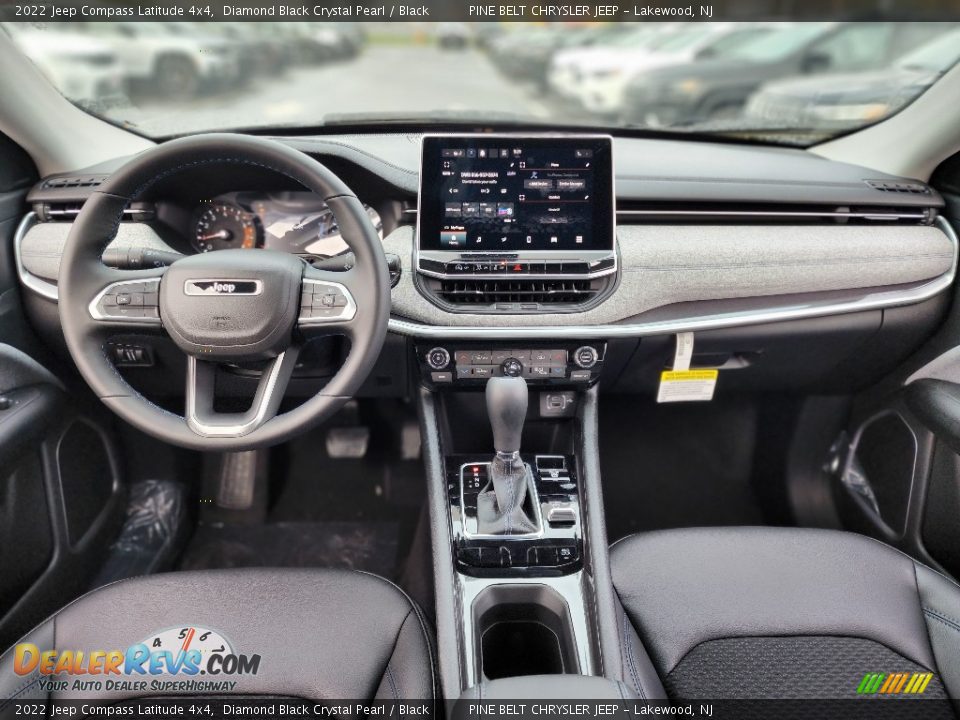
(687, 385)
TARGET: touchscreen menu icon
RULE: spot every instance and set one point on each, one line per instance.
(453, 238)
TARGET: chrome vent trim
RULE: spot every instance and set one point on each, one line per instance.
(468, 291)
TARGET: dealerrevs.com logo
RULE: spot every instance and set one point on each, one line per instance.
(187, 652)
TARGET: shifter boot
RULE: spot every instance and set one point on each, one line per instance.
(503, 506)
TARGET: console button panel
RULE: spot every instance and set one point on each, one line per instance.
(471, 364)
(557, 546)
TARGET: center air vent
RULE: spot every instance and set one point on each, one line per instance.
(517, 291)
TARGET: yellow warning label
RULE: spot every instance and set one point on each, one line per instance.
(687, 385)
(688, 375)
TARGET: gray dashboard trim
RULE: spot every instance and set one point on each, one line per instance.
(871, 300)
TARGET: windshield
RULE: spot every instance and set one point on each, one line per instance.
(163, 79)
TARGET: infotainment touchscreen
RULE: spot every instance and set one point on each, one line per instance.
(488, 193)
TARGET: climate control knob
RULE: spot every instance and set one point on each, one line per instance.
(511, 367)
(585, 357)
(438, 358)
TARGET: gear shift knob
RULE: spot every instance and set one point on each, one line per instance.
(507, 408)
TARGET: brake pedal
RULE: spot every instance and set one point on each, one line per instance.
(348, 442)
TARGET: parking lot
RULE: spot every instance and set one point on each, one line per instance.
(382, 81)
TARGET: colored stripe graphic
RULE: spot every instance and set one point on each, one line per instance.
(894, 683)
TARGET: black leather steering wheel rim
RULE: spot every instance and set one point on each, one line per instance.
(83, 275)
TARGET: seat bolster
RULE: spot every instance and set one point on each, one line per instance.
(639, 674)
(940, 599)
(405, 677)
(15, 687)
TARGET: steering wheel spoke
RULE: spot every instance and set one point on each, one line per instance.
(327, 303)
(130, 299)
(203, 419)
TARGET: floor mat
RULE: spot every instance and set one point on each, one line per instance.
(677, 465)
(359, 546)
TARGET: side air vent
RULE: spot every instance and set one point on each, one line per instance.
(899, 186)
(84, 181)
(541, 292)
(67, 211)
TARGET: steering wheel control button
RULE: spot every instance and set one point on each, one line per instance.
(438, 358)
(128, 300)
(325, 302)
(585, 357)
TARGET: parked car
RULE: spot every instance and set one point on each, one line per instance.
(84, 69)
(453, 36)
(848, 100)
(259, 52)
(174, 63)
(527, 56)
(720, 88)
(563, 74)
(600, 78)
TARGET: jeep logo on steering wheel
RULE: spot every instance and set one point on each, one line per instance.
(222, 287)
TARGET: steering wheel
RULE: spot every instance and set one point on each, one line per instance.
(223, 306)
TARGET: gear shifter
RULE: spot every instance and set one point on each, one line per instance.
(503, 506)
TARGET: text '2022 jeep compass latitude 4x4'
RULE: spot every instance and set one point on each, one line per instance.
(490, 364)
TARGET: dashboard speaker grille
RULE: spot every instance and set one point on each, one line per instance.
(514, 290)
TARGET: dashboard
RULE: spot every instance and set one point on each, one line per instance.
(780, 261)
(678, 222)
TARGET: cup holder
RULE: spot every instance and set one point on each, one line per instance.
(523, 630)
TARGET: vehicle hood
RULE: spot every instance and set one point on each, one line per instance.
(870, 86)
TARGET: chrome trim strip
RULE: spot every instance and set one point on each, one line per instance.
(97, 315)
(28, 279)
(758, 213)
(346, 315)
(776, 213)
(873, 301)
(514, 278)
(258, 415)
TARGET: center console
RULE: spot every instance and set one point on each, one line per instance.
(516, 225)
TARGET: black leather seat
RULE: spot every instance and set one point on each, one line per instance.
(781, 613)
(320, 634)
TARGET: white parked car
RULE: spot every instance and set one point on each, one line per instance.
(84, 69)
(167, 63)
(599, 78)
(565, 72)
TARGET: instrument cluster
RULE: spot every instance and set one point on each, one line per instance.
(294, 222)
